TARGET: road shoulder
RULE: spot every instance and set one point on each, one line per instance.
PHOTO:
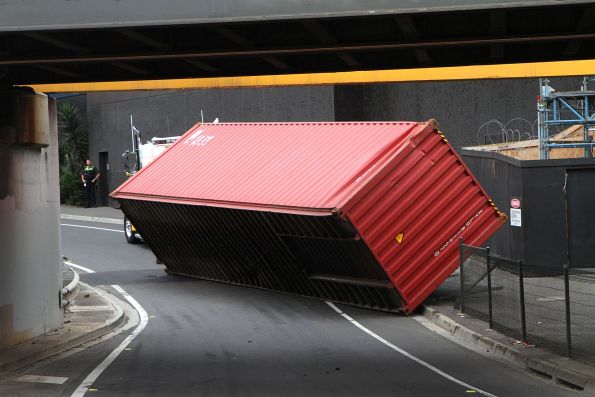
(93, 314)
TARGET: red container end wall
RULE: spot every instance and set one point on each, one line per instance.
(412, 213)
(370, 222)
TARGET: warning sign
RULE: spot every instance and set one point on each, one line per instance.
(515, 217)
(399, 238)
(515, 203)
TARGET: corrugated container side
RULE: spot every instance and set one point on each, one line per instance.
(425, 197)
(316, 256)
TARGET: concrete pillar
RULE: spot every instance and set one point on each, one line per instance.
(30, 253)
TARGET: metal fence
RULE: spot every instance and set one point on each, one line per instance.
(551, 308)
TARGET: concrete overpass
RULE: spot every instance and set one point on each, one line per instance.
(60, 41)
(65, 41)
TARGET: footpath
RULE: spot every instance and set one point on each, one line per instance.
(439, 309)
(89, 313)
(93, 313)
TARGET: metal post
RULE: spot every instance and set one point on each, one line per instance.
(132, 133)
(461, 278)
(522, 301)
(541, 121)
(587, 116)
(567, 301)
(489, 270)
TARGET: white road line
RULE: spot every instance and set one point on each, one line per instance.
(55, 380)
(144, 319)
(92, 219)
(85, 269)
(92, 227)
(408, 355)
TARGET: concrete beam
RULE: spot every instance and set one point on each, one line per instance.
(66, 14)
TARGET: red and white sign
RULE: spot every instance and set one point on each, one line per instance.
(515, 203)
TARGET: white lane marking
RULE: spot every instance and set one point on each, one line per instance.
(55, 380)
(92, 219)
(92, 377)
(92, 227)
(85, 269)
(144, 319)
(408, 355)
(88, 308)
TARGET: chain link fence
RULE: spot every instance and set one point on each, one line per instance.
(550, 308)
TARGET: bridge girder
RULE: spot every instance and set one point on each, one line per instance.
(249, 38)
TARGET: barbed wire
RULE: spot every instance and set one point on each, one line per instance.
(514, 130)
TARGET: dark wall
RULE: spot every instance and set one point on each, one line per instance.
(541, 185)
(502, 181)
(544, 215)
(468, 112)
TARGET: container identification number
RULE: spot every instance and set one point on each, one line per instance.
(458, 233)
(198, 139)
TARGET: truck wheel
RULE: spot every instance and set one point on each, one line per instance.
(131, 237)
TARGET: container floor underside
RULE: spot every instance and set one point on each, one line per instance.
(315, 256)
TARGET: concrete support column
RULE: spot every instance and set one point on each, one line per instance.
(30, 253)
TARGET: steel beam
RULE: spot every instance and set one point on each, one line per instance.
(57, 42)
(497, 29)
(245, 43)
(585, 24)
(295, 50)
(159, 45)
(326, 38)
(410, 32)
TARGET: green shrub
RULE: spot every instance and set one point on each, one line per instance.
(71, 190)
(73, 151)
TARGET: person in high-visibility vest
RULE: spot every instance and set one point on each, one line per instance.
(90, 176)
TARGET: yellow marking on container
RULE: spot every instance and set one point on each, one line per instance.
(399, 238)
(502, 71)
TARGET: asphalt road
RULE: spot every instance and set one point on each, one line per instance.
(211, 339)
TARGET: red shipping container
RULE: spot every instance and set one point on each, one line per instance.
(361, 213)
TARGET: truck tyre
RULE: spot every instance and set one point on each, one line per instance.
(131, 237)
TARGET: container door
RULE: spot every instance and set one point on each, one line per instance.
(580, 212)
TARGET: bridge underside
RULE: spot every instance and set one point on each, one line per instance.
(328, 37)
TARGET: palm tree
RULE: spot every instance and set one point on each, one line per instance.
(73, 147)
(73, 141)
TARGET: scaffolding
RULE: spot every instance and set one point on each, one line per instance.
(565, 109)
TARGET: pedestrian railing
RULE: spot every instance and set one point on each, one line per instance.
(551, 308)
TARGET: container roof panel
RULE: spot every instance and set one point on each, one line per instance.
(298, 165)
